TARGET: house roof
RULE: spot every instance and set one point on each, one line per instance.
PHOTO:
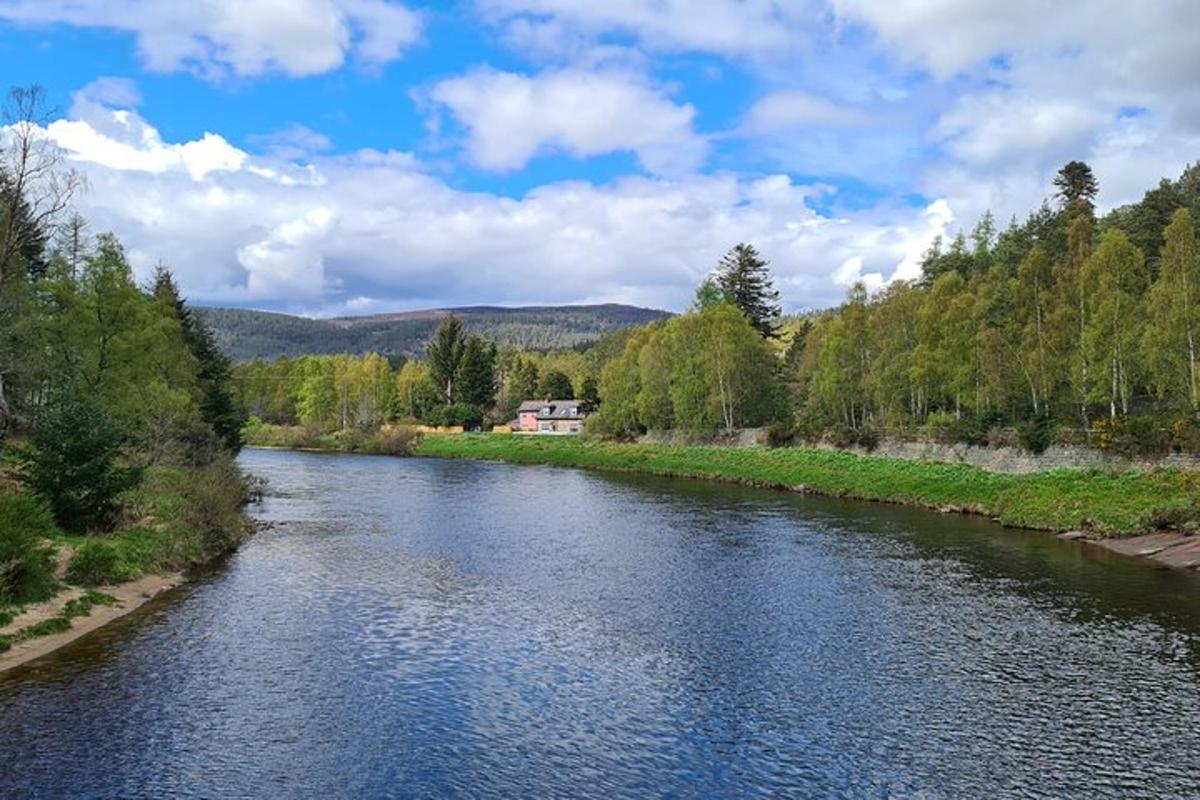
(559, 409)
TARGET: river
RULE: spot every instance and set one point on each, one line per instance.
(425, 628)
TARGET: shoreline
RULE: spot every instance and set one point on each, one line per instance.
(129, 598)
(1161, 549)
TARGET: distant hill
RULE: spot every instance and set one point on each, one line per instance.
(244, 335)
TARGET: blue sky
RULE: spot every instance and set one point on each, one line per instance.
(347, 156)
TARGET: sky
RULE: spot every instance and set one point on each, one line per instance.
(329, 157)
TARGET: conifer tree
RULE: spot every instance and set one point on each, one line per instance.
(213, 368)
(746, 282)
(444, 355)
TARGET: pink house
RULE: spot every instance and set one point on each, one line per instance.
(550, 416)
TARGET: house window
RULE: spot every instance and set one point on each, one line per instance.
(575, 427)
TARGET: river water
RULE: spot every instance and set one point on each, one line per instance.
(424, 628)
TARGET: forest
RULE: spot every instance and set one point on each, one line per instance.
(1064, 327)
(245, 335)
(118, 425)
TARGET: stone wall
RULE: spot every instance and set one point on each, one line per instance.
(1010, 460)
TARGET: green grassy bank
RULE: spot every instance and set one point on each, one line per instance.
(1105, 504)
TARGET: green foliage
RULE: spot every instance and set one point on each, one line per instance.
(72, 461)
(82, 606)
(444, 354)
(100, 562)
(218, 407)
(745, 282)
(468, 416)
(1037, 434)
(476, 376)
(26, 562)
(555, 385)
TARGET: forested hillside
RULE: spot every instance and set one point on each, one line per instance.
(244, 335)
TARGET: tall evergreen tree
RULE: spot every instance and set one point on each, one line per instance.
(1076, 185)
(444, 355)
(746, 282)
(477, 373)
(218, 407)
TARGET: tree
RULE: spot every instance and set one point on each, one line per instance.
(1114, 279)
(477, 374)
(746, 282)
(444, 355)
(416, 392)
(1171, 345)
(590, 395)
(35, 190)
(556, 385)
(218, 406)
(73, 460)
(1076, 185)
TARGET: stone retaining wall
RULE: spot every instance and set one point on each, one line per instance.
(1009, 460)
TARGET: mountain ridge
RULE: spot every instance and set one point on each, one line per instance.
(245, 334)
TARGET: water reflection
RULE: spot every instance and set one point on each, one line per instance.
(430, 628)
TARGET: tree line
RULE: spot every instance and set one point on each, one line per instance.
(1065, 322)
(102, 381)
(1066, 325)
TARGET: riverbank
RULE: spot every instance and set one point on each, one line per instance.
(178, 519)
(1099, 504)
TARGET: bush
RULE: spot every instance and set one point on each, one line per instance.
(468, 416)
(780, 434)
(26, 563)
(213, 500)
(1132, 436)
(1037, 434)
(394, 441)
(99, 562)
(1185, 518)
(72, 461)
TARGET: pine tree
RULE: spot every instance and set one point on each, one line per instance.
(1076, 185)
(444, 354)
(746, 282)
(477, 373)
(218, 406)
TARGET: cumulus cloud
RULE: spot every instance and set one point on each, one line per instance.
(510, 118)
(374, 230)
(216, 38)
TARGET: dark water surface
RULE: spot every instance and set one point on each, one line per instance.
(420, 628)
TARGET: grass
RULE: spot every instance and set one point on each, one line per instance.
(1107, 504)
(78, 607)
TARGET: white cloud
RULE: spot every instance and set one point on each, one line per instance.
(374, 230)
(221, 37)
(738, 28)
(511, 118)
(789, 109)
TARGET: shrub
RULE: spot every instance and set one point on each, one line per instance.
(213, 500)
(780, 434)
(5, 644)
(468, 416)
(26, 563)
(1185, 435)
(1037, 434)
(72, 461)
(867, 438)
(394, 441)
(99, 562)
(1185, 518)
